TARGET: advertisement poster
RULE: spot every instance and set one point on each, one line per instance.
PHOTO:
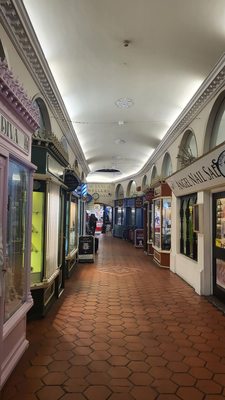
(139, 238)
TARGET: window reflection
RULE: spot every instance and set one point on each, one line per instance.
(16, 237)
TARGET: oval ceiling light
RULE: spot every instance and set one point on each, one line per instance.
(124, 102)
(111, 170)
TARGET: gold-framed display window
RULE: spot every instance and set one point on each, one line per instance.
(37, 238)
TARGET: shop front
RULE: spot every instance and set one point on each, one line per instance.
(18, 120)
(162, 224)
(198, 238)
(47, 241)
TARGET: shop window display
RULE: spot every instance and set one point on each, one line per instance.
(16, 238)
(188, 238)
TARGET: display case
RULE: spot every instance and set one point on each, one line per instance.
(218, 207)
(220, 223)
(18, 121)
(71, 234)
(47, 240)
(162, 225)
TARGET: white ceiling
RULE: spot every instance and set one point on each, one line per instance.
(174, 44)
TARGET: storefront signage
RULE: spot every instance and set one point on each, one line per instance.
(138, 202)
(149, 195)
(206, 172)
(157, 191)
(9, 131)
(55, 168)
(119, 203)
(86, 245)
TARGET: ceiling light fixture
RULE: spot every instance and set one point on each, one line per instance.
(124, 102)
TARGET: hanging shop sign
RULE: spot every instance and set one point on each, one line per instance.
(139, 202)
(14, 135)
(206, 172)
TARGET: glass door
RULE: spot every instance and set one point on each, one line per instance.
(219, 245)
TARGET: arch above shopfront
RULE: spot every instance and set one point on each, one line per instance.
(131, 189)
(119, 192)
(188, 150)
(216, 124)
(167, 169)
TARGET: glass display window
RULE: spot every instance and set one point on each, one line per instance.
(71, 226)
(119, 216)
(45, 230)
(166, 223)
(162, 223)
(188, 237)
(37, 238)
(220, 223)
(157, 223)
(219, 245)
(150, 223)
(52, 238)
(17, 216)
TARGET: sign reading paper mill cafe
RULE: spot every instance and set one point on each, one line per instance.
(207, 171)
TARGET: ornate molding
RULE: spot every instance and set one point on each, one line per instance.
(16, 22)
(15, 96)
(51, 141)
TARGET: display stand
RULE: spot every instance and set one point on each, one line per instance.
(18, 120)
(162, 224)
(86, 248)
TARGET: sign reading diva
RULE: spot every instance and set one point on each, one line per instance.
(206, 172)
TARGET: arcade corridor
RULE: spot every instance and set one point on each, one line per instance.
(123, 329)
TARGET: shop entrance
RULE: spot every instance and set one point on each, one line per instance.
(219, 245)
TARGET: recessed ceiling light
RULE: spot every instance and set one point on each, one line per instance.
(124, 102)
(120, 141)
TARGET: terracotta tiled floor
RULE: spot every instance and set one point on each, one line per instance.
(123, 329)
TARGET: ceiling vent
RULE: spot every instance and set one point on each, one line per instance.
(112, 170)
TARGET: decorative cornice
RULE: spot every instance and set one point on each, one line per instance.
(15, 96)
(16, 22)
(209, 88)
(51, 141)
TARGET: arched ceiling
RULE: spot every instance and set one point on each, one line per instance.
(122, 97)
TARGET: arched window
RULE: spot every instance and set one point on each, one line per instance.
(44, 121)
(144, 183)
(218, 129)
(154, 174)
(131, 189)
(188, 151)
(119, 194)
(167, 166)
